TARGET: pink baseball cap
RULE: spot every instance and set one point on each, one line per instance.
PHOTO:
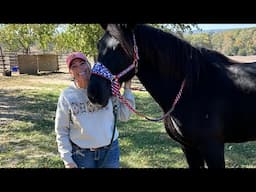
(75, 55)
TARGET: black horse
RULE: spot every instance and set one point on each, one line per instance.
(215, 96)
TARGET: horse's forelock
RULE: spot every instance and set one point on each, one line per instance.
(122, 35)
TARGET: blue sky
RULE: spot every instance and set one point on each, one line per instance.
(224, 26)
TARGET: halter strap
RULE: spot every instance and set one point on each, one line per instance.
(103, 71)
(100, 70)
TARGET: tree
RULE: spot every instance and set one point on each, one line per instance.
(84, 37)
(21, 37)
(45, 35)
(63, 37)
(79, 37)
(200, 40)
(179, 29)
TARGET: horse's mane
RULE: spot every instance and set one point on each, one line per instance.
(174, 56)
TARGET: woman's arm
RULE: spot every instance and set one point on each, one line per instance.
(62, 130)
(124, 112)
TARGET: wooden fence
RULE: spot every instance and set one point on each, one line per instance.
(34, 63)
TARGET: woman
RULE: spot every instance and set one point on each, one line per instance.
(85, 133)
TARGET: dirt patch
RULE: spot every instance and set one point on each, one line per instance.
(244, 58)
(24, 81)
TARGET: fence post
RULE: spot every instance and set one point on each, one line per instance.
(5, 72)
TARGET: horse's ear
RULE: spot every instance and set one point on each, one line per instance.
(104, 26)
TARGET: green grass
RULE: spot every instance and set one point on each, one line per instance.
(27, 138)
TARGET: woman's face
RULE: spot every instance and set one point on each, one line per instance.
(80, 69)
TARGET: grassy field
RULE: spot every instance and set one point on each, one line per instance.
(27, 139)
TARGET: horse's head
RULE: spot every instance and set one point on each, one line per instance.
(115, 54)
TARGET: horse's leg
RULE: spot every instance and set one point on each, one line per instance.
(213, 153)
(193, 157)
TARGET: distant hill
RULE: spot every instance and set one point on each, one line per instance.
(213, 30)
(231, 41)
(217, 30)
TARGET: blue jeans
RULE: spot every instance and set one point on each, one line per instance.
(107, 157)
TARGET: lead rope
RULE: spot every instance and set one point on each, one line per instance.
(113, 133)
(101, 70)
(115, 90)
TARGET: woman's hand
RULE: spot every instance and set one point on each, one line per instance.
(127, 84)
(71, 165)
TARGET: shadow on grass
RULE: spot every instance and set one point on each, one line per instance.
(35, 108)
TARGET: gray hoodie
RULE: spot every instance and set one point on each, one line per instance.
(86, 125)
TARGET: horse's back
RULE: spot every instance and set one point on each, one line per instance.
(241, 123)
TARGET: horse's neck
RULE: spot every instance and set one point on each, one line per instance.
(161, 85)
(163, 91)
